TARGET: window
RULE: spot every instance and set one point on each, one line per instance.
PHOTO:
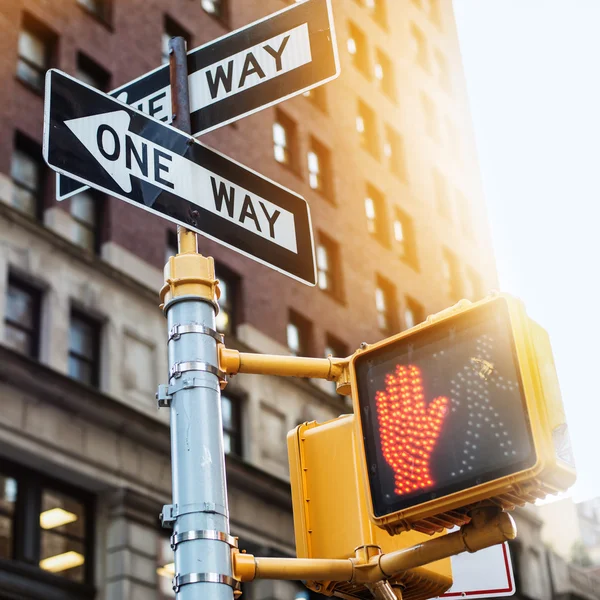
(165, 569)
(464, 213)
(435, 13)
(334, 347)
(393, 150)
(35, 49)
(230, 409)
(84, 349)
(216, 8)
(452, 139)
(22, 318)
(451, 275)
(404, 237)
(357, 47)
(443, 74)
(8, 503)
(53, 521)
(442, 200)
(26, 171)
(419, 47)
(413, 313)
(367, 129)
(317, 97)
(429, 113)
(85, 213)
(92, 73)
(172, 245)
(299, 334)
(329, 272)
(377, 10)
(229, 283)
(171, 30)
(476, 290)
(285, 141)
(384, 73)
(385, 305)
(99, 8)
(376, 214)
(319, 169)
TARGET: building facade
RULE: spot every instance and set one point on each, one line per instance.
(385, 157)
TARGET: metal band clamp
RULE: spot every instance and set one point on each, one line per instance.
(178, 330)
(196, 365)
(180, 580)
(203, 534)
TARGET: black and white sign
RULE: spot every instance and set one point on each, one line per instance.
(273, 59)
(110, 146)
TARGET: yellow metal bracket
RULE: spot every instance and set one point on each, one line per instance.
(489, 526)
(233, 362)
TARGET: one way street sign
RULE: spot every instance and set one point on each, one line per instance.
(266, 62)
(110, 146)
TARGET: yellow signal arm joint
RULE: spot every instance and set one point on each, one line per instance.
(331, 369)
(488, 527)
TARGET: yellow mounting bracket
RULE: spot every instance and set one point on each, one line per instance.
(331, 369)
(489, 526)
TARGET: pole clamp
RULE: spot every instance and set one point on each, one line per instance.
(180, 580)
(203, 534)
(164, 396)
(178, 330)
(196, 365)
(168, 516)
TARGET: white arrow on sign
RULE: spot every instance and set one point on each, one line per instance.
(123, 155)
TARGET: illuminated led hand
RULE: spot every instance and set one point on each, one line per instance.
(407, 428)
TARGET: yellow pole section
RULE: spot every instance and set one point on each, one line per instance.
(232, 362)
(305, 569)
(471, 538)
(187, 240)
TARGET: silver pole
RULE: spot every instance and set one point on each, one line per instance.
(199, 513)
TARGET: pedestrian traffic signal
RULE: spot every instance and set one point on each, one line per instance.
(460, 409)
(331, 520)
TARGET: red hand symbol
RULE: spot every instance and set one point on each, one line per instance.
(407, 428)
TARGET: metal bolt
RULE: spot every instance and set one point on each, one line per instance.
(364, 345)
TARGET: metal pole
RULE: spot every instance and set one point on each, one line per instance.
(199, 513)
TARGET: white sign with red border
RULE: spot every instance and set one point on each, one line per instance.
(484, 574)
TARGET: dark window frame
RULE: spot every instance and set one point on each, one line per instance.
(99, 204)
(317, 96)
(23, 567)
(369, 138)
(397, 160)
(323, 154)
(235, 433)
(388, 81)
(334, 270)
(416, 308)
(223, 15)
(305, 333)
(391, 299)
(409, 253)
(33, 150)
(96, 71)
(454, 282)
(96, 325)
(49, 40)
(290, 128)
(381, 233)
(104, 16)
(173, 29)
(36, 293)
(234, 281)
(360, 59)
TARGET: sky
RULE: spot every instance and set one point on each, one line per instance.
(533, 82)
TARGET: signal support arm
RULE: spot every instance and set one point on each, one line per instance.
(232, 362)
(489, 526)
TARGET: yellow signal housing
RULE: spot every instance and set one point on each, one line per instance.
(461, 409)
(331, 518)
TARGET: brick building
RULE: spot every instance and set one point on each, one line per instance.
(385, 157)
